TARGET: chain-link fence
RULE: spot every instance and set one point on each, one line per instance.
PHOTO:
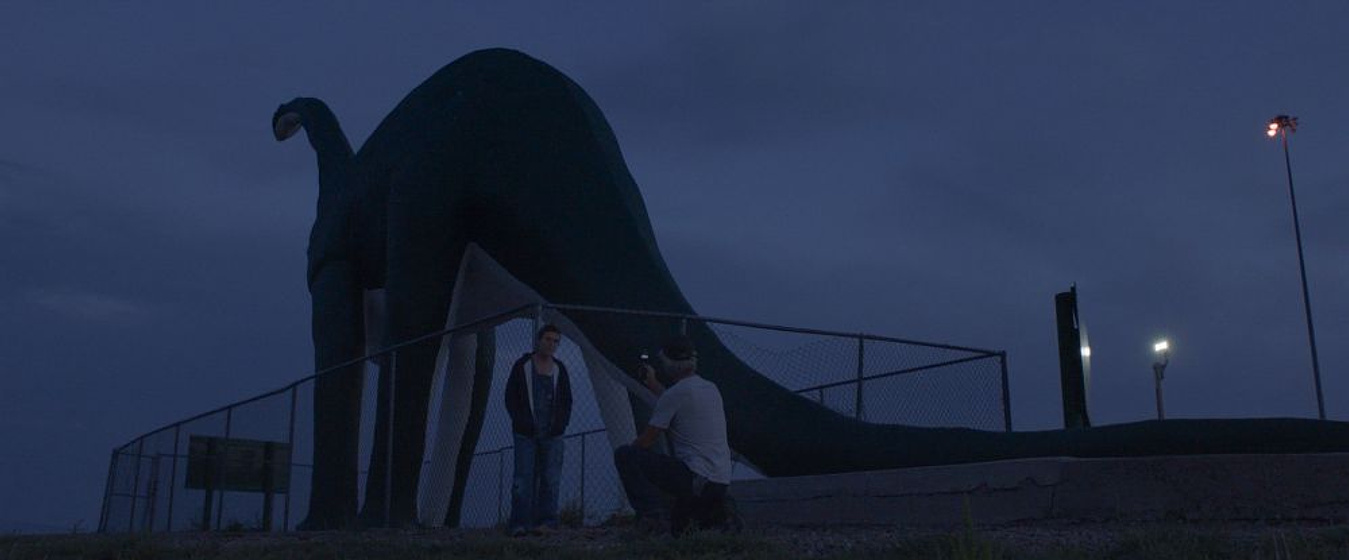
(248, 466)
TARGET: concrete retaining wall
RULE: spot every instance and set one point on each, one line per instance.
(1191, 487)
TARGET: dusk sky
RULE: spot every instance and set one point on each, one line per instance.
(927, 170)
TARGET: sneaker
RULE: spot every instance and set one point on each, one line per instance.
(518, 531)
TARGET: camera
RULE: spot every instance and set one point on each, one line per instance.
(643, 359)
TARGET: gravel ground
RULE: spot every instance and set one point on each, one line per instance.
(1125, 541)
(1030, 540)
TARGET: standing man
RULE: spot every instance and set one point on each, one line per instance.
(538, 399)
(692, 414)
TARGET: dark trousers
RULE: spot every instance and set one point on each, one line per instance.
(652, 481)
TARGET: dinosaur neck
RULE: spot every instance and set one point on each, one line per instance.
(335, 157)
(330, 237)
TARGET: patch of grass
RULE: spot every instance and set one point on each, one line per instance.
(700, 545)
(571, 515)
(1298, 544)
(1173, 542)
(969, 545)
(1274, 543)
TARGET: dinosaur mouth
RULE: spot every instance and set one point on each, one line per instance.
(286, 126)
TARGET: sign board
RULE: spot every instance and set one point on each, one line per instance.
(238, 465)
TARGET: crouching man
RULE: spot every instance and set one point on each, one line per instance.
(691, 413)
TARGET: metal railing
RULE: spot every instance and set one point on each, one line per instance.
(874, 378)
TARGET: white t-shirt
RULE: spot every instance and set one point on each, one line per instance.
(695, 418)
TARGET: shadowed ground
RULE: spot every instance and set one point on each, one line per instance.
(1140, 541)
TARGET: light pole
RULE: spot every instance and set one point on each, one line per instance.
(1282, 125)
(1162, 349)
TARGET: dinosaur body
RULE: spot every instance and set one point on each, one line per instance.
(500, 150)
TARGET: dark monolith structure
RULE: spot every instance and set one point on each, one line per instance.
(1072, 354)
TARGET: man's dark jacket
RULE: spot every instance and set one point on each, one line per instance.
(517, 400)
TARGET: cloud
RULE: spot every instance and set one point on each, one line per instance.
(90, 307)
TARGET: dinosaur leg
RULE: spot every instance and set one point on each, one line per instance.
(376, 480)
(338, 328)
(484, 364)
(425, 246)
(456, 361)
(462, 399)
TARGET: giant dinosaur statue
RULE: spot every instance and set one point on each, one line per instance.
(500, 151)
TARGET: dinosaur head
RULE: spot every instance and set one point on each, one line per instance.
(319, 123)
(286, 121)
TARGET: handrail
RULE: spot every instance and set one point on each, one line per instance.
(583, 308)
(887, 374)
(766, 326)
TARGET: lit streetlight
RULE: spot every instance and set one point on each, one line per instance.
(1162, 348)
(1281, 125)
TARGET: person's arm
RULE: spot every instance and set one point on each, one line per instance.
(649, 379)
(564, 400)
(511, 382)
(666, 407)
(648, 437)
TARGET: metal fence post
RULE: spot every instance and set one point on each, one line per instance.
(861, 373)
(290, 461)
(107, 492)
(173, 477)
(583, 479)
(135, 484)
(151, 495)
(1006, 394)
(219, 471)
(388, 438)
(501, 472)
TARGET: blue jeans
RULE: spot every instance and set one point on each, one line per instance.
(538, 469)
